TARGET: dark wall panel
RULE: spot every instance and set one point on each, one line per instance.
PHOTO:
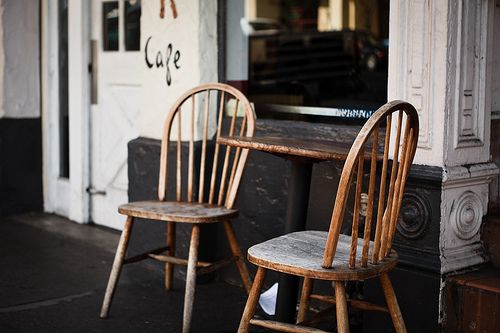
(20, 166)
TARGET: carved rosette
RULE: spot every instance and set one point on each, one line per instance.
(415, 216)
(466, 215)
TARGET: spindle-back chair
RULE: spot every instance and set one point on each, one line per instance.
(206, 196)
(337, 257)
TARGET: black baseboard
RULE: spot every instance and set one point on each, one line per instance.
(20, 166)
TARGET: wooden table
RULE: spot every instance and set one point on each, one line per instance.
(302, 153)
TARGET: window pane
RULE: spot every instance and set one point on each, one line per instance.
(317, 53)
(132, 25)
(63, 90)
(110, 25)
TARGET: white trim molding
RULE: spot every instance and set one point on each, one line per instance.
(67, 197)
(469, 98)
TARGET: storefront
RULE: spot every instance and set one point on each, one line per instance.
(107, 72)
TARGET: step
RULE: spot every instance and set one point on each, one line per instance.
(472, 301)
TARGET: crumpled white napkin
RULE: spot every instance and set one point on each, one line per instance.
(267, 300)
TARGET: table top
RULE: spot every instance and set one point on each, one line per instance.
(320, 150)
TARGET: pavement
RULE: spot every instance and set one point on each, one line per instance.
(54, 272)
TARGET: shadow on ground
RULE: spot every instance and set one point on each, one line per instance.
(53, 275)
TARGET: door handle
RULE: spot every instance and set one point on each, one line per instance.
(93, 71)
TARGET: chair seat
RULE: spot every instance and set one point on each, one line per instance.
(174, 211)
(301, 253)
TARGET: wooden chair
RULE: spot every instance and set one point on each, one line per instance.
(340, 258)
(210, 201)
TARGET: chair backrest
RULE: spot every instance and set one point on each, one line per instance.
(203, 108)
(385, 192)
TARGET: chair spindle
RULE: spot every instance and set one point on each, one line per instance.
(371, 199)
(203, 150)
(191, 154)
(387, 213)
(381, 197)
(216, 152)
(178, 177)
(357, 205)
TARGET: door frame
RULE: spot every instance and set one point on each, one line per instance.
(66, 196)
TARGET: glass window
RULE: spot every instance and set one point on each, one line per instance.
(132, 25)
(110, 17)
(63, 89)
(316, 53)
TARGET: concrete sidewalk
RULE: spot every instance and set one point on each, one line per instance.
(53, 274)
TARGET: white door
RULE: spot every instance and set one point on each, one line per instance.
(116, 67)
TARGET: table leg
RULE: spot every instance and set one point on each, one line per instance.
(296, 216)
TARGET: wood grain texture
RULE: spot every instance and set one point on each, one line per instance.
(284, 327)
(194, 196)
(332, 255)
(362, 305)
(191, 278)
(341, 307)
(301, 253)
(313, 149)
(227, 91)
(381, 197)
(121, 251)
(307, 286)
(253, 299)
(392, 304)
(173, 211)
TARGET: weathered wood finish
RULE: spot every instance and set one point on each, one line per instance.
(284, 327)
(199, 201)
(121, 251)
(253, 299)
(332, 255)
(172, 211)
(362, 305)
(392, 304)
(390, 201)
(312, 149)
(190, 278)
(305, 295)
(341, 305)
(192, 97)
(301, 253)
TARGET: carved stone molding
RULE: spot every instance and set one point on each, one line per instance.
(415, 216)
(466, 215)
(471, 54)
(418, 65)
(464, 202)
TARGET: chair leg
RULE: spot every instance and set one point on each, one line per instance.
(117, 266)
(191, 278)
(392, 304)
(236, 251)
(304, 299)
(341, 305)
(252, 300)
(169, 267)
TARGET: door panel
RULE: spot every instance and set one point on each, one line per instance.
(114, 116)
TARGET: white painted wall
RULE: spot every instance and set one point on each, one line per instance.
(19, 59)
(193, 34)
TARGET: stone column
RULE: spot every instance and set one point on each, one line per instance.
(440, 59)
